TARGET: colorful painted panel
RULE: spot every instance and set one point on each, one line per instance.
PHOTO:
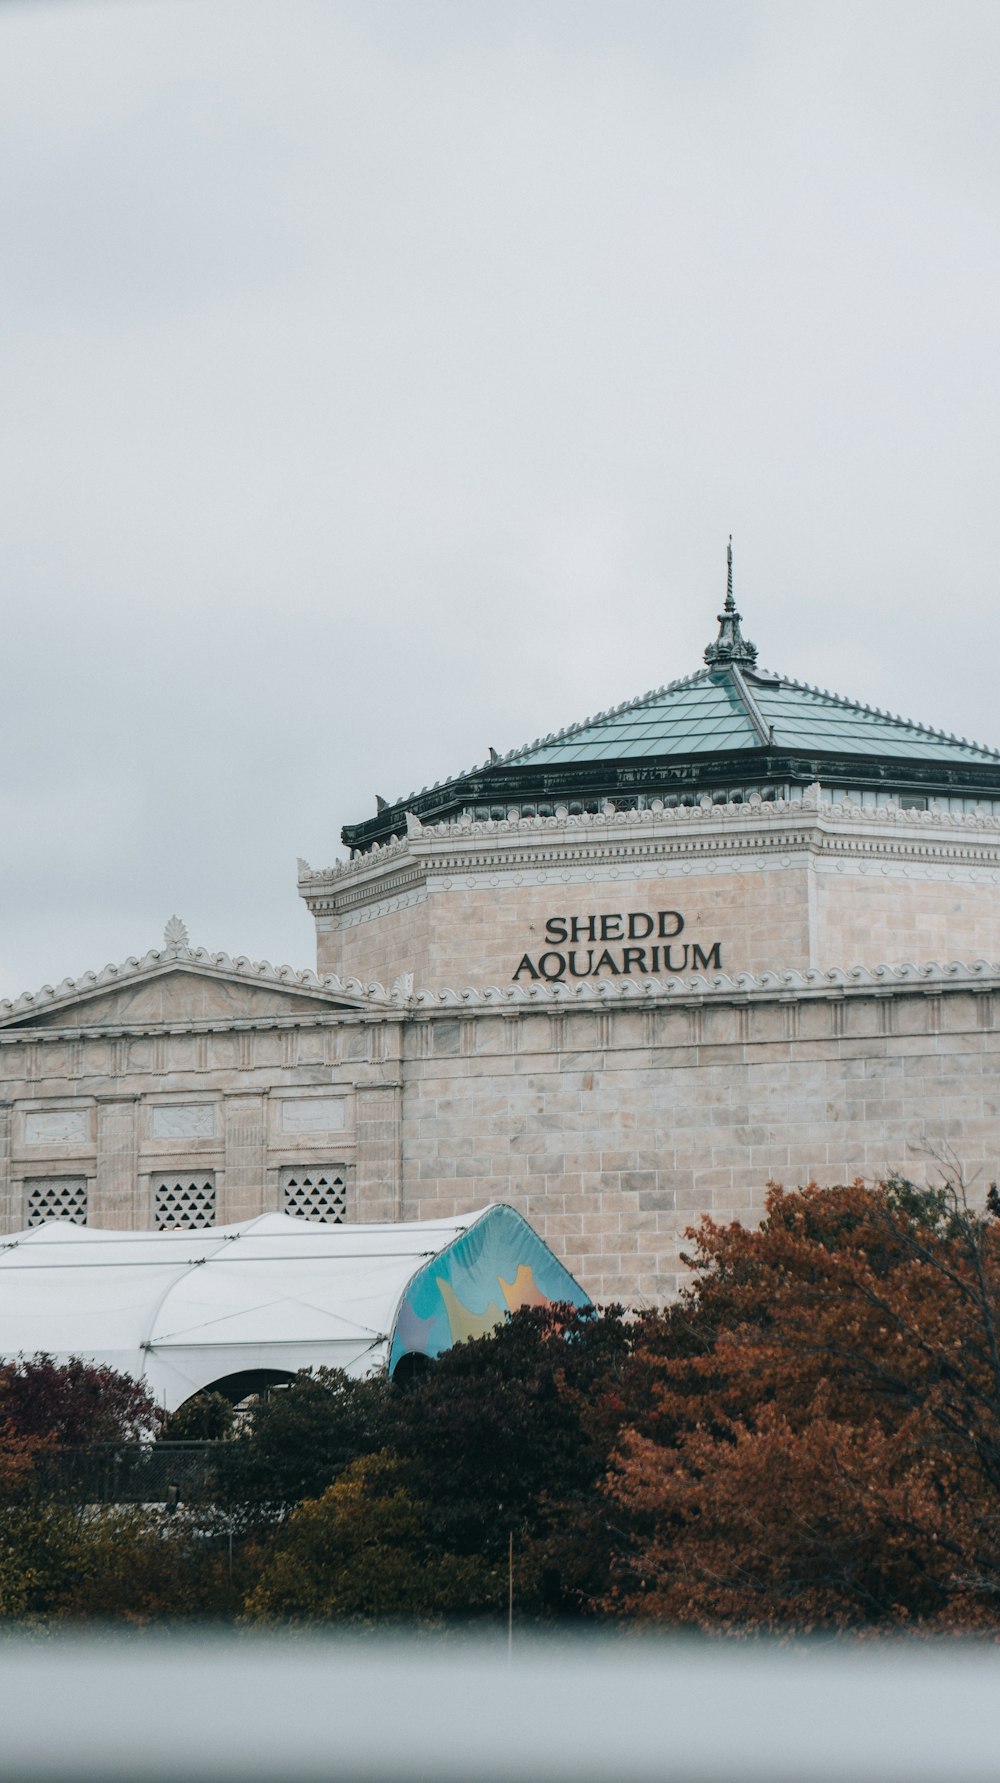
(498, 1265)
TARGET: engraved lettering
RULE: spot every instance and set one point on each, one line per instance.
(549, 971)
(607, 961)
(634, 931)
(633, 959)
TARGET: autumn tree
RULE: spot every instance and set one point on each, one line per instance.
(60, 1558)
(75, 1404)
(822, 1444)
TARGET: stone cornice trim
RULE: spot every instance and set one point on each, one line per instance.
(754, 810)
(679, 833)
(834, 981)
(281, 1024)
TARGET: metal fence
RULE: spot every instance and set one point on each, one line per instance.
(133, 1473)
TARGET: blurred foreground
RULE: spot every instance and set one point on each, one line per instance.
(146, 1708)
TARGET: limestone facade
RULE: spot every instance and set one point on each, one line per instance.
(610, 1113)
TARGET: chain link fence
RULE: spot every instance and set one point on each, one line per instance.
(166, 1473)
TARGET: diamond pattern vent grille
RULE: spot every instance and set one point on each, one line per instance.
(184, 1202)
(317, 1195)
(58, 1198)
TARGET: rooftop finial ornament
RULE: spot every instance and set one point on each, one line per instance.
(175, 934)
(730, 645)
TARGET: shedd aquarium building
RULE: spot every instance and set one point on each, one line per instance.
(734, 930)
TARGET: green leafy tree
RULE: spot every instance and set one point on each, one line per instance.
(146, 1567)
(205, 1417)
(364, 1553)
(297, 1441)
(42, 1544)
(506, 1437)
(510, 1435)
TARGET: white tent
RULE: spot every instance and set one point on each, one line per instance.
(182, 1310)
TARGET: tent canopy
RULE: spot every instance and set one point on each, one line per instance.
(183, 1310)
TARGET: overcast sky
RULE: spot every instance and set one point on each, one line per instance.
(380, 381)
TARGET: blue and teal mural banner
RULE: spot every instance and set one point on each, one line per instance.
(468, 1289)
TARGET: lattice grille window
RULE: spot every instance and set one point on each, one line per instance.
(183, 1202)
(317, 1194)
(57, 1198)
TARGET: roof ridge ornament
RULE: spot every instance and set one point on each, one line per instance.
(730, 645)
(175, 935)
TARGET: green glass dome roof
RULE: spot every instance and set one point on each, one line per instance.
(730, 705)
(713, 711)
(726, 729)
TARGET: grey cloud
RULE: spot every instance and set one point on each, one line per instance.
(373, 393)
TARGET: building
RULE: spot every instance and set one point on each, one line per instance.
(736, 929)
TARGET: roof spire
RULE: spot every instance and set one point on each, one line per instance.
(730, 645)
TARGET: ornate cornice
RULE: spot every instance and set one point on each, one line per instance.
(396, 870)
(834, 981)
(403, 1003)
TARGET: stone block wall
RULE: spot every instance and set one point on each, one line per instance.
(613, 1130)
(612, 1120)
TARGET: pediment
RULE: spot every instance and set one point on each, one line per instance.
(181, 985)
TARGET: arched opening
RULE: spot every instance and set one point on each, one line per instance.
(411, 1366)
(248, 1382)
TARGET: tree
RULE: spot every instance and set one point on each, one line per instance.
(364, 1552)
(42, 1543)
(297, 1441)
(510, 1435)
(74, 1403)
(205, 1417)
(822, 1446)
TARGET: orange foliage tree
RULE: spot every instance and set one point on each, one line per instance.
(822, 1444)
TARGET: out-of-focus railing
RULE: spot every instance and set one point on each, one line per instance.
(447, 1711)
(133, 1473)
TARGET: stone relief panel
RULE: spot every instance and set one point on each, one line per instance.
(183, 1120)
(52, 1126)
(313, 1114)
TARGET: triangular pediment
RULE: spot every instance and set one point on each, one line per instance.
(180, 985)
